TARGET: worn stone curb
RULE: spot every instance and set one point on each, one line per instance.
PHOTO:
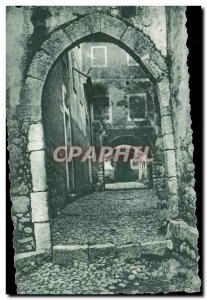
(25, 262)
(67, 254)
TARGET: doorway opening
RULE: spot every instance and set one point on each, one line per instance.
(131, 172)
(97, 95)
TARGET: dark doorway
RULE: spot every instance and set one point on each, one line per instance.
(123, 172)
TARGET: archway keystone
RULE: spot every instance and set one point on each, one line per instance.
(112, 26)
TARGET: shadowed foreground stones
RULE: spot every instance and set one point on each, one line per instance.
(113, 276)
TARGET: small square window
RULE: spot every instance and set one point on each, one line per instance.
(131, 61)
(99, 56)
(137, 107)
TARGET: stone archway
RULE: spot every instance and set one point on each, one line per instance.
(141, 48)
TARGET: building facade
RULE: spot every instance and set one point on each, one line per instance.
(65, 92)
(124, 101)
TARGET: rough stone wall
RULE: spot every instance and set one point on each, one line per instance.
(20, 175)
(177, 35)
(184, 238)
(19, 29)
(159, 173)
(20, 178)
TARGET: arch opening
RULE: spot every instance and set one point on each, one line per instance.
(104, 93)
(41, 69)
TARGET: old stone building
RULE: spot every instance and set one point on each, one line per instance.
(124, 100)
(97, 76)
(63, 126)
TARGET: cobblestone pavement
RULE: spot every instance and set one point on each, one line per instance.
(119, 217)
(109, 216)
(110, 277)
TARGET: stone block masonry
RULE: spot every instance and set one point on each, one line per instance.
(64, 255)
(158, 248)
(39, 207)
(42, 235)
(36, 137)
(102, 250)
(69, 254)
(38, 170)
(129, 251)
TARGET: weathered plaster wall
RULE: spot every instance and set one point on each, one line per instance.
(177, 35)
(80, 120)
(19, 28)
(54, 133)
(117, 80)
(20, 175)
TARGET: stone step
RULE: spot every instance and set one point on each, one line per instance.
(68, 254)
(158, 248)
